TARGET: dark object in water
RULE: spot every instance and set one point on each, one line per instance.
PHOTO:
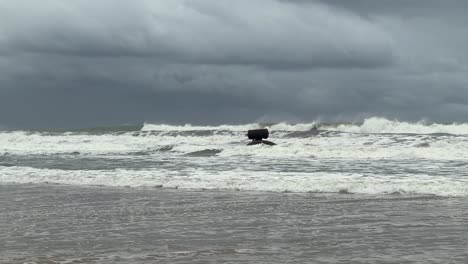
(258, 135)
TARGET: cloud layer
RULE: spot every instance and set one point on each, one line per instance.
(266, 33)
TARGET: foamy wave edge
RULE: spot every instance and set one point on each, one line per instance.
(245, 181)
(236, 128)
(373, 125)
(378, 125)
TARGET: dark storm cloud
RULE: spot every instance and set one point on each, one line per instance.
(78, 63)
(267, 33)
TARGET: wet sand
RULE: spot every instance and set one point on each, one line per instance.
(70, 224)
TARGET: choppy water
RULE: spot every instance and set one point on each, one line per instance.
(376, 157)
(377, 192)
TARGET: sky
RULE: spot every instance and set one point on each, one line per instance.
(79, 63)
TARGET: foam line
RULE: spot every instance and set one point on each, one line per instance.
(245, 180)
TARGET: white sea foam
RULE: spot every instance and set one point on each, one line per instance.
(189, 127)
(343, 146)
(382, 125)
(245, 180)
(292, 127)
(365, 148)
(370, 125)
(238, 128)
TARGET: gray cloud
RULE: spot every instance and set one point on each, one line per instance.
(198, 32)
(79, 63)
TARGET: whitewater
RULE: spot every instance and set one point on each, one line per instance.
(377, 156)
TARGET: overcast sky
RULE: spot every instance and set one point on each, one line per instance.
(75, 63)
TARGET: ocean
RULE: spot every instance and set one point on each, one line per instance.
(379, 191)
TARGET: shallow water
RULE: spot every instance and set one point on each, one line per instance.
(340, 158)
(377, 192)
(72, 224)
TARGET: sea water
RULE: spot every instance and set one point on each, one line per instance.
(377, 191)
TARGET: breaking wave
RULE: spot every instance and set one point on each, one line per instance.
(382, 125)
(374, 125)
(377, 156)
(239, 128)
(375, 138)
(245, 181)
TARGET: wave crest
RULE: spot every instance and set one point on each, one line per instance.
(379, 125)
(373, 125)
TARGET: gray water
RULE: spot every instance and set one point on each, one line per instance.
(377, 192)
(70, 224)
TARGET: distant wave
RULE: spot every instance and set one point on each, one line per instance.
(381, 125)
(367, 140)
(97, 130)
(374, 125)
(376, 156)
(239, 128)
